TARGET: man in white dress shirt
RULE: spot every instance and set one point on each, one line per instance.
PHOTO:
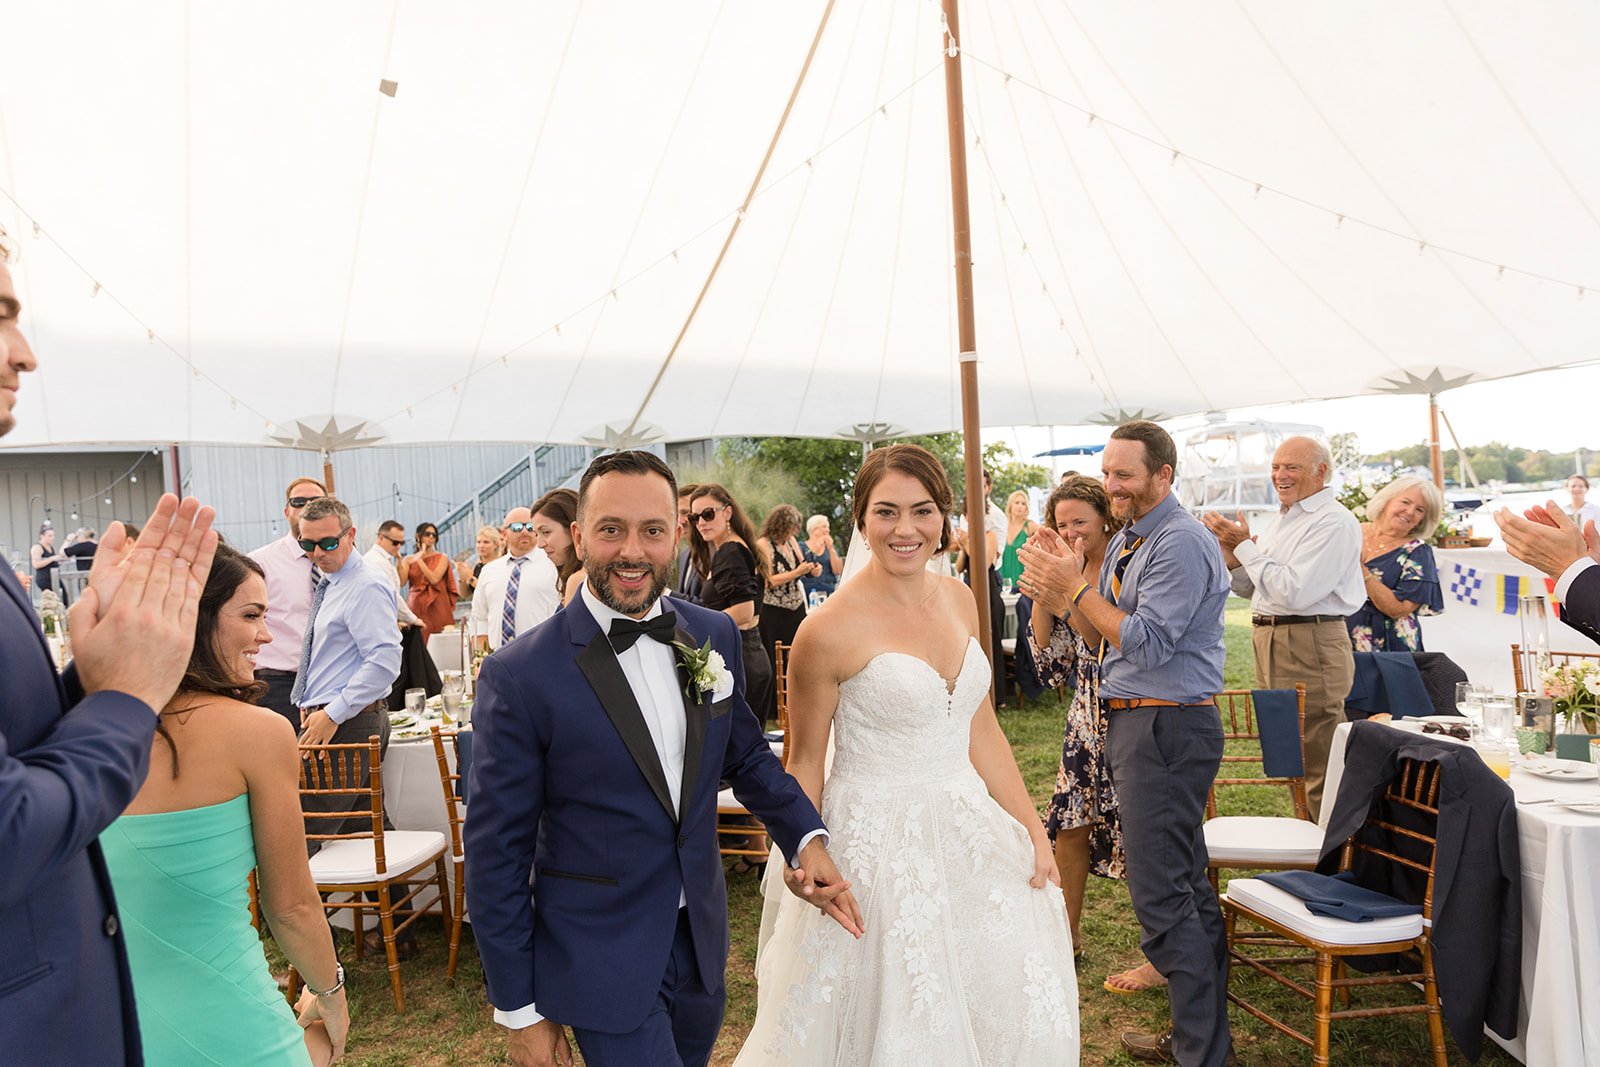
(1302, 579)
(291, 582)
(516, 591)
(385, 555)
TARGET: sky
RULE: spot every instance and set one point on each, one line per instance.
(1552, 410)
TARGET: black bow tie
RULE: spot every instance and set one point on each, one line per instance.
(625, 632)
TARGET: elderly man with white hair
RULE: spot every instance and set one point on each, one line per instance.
(1303, 576)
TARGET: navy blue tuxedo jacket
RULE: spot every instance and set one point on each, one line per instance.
(69, 765)
(1581, 610)
(567, 788)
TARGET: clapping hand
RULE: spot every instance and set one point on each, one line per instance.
(816, 880)
(1547, 539)
(1052, 571)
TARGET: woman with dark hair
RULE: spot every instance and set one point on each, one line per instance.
(783, 601)
(222, 797)
(432, 580)
(733, 576)
(553, 516)
(965, 958)
(1082, 819)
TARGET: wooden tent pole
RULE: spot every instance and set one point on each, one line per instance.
(1435, 460)
(971, 428)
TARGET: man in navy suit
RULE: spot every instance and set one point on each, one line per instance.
(1546, 538)
(73, 752)
(598, 756)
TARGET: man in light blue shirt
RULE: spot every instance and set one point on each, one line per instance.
(1159, 605)
(350, 655)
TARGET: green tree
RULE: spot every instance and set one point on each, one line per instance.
(825, 470)
(758, 485)
(1010, 474)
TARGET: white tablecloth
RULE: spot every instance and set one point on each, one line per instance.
(1559, 1021)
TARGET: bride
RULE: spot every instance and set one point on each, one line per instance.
(966, 959)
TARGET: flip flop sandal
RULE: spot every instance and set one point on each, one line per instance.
(1133, 985)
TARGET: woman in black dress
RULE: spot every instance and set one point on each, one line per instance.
(783, 602)
(734, 577)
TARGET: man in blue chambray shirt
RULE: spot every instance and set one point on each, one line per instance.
(1159, 608)
(350, 656)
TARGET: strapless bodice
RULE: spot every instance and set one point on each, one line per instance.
(898, 719)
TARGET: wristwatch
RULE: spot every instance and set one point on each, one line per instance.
(337, 985)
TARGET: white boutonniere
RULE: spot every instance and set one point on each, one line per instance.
(708, 673)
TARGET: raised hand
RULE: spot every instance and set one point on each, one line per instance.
(817, 881)
(133, 627)
(1546, 538)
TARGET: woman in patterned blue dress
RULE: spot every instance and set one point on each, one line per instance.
(1082, 819)
(1398, 567)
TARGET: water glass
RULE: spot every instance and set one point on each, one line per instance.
(1499, 717)
(416, 701)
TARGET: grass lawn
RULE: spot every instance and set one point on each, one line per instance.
(454, 1026)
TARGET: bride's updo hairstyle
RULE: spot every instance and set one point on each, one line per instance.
(914, 461)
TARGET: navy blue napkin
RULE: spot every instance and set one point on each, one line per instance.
(1338, 897)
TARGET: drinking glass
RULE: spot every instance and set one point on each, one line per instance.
(1496, 756)
(1498, 717)
(416, 701)
(450, 694)
(1469, 701)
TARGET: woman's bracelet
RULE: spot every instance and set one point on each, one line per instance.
(1079, 594)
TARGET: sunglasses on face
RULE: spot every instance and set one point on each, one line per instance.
(518, 527)
(395, 541)
(300, 501)
(705, 516)
(327, 544)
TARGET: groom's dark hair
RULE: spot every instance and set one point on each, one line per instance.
(629, 462)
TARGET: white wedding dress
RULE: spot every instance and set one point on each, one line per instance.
(963, 963)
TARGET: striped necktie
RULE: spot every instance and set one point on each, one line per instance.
(508, 614)
(1117, 571)
(298, 693)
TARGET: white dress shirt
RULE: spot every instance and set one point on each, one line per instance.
(289, 590)
(380, 560)
(1308, 562)
(651, 668)
(537, 598)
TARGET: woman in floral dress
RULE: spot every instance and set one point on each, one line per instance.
(1082, 820)
(1401, 577)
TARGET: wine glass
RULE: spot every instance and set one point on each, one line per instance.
(1498, 716)
(450, 692)
(1469, 702)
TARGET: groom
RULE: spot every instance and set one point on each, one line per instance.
(598, 756)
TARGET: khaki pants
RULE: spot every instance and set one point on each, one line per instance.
(1319, 655)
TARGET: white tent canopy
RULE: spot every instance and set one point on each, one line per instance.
(1176, 208)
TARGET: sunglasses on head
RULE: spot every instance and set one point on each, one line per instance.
(300, 501)
(327, 544)
(707, 515)
(518, 527)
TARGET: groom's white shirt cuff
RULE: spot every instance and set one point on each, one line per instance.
(520, 1019)
(1564, 583)
(794, 860)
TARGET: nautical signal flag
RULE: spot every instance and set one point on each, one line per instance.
(1508, 590)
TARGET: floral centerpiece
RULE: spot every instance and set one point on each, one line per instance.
(51, 612)
(1574, 688)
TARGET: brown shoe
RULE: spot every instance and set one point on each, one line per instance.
(1149, 1048)
(1157, 1048)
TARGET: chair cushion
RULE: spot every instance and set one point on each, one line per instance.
(1289, 910)
(1251, 840)
(345, 862)
(1008, 645)
(726, 801)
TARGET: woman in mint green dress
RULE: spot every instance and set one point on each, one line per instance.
(222, 797)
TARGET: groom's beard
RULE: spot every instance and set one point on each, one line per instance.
(598, 576)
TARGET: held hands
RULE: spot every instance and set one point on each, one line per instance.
(817, 881)
(1547, 539)
(330, 1014)
(543, 1044)
(133, 626)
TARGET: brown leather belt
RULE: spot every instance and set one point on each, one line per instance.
(381, 704)
(1123, 704)
(1290, 620)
